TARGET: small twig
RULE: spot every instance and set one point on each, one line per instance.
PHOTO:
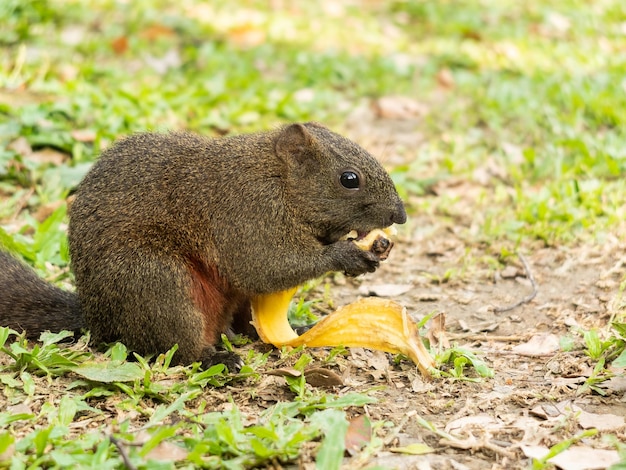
(488, 337)
(533, 283)
(123, 453)
(22, 203)
(475, 445)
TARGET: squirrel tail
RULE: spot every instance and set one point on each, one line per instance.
(28, 303)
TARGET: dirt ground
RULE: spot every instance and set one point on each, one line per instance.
(537, 397)
(534, 401)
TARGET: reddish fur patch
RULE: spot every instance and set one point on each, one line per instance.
(211, 295)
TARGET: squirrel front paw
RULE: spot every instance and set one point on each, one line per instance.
(232, 361)
(354, 261)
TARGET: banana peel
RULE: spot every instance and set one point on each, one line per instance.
(371, 322)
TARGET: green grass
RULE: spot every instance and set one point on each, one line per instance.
(537, 103)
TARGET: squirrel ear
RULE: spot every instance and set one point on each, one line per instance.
(294, 141)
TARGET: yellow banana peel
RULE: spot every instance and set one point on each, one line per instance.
(371, 322)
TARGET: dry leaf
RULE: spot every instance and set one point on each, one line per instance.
(601, 422)
(480, 421)
(445, 79)
(48, 155)
(21, 146)
(398, 107)
(247, 35)
(385, 290)
(576, 457)
(437, 331)
(539, 345)
(83, 135)
(358, 435)
(166, 451)
(285, 372)
(156, 31)
(320, 377)
(377, 360)
(510, 272)
(119, 45)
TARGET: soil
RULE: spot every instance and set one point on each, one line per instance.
(539, 394)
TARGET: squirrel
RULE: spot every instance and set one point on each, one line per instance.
(170, 234)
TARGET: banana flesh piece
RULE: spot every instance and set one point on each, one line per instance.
(371, 322)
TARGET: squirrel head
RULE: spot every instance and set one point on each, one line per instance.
(334, 184)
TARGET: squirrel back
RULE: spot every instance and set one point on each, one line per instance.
(171, 234)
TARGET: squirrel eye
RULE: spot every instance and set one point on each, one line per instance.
(349, 180)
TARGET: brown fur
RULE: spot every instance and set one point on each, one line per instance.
(171, 234)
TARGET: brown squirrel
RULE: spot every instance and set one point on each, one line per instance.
(171, 234)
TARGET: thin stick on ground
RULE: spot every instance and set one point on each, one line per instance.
(123, 453)
(529, 297)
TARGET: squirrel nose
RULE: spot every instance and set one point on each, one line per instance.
(398, 216)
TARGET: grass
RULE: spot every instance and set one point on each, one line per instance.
(524, 102)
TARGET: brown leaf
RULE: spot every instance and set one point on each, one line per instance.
(156, 31)
(510, 272)
(359, 434)
(398, 107)
(576, 457)
(320, 377)
(539, 345)
(83, 135)
(247, 35)
(601, 422)
(119, 45)
(45, 210)
(437, 331)
(166, 451)
(48, 155)
(21, 146)
(285, 372)
(445, 79)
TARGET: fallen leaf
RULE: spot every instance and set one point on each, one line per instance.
(285, 372)
(119, 45)
(398, 107)
(437, 331)
(510, 272)
(482, 421)
(445, 79)
(378, 360)
(21, 146)
(247, 35)
(48, 155)
(385, 290)
(166, 451)
(320, 377)
(359, 434)
(539, 345)
(156, 31)
(20, 408)
(45, 210)
(83, 135)
(601, 422)
(576, 457)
